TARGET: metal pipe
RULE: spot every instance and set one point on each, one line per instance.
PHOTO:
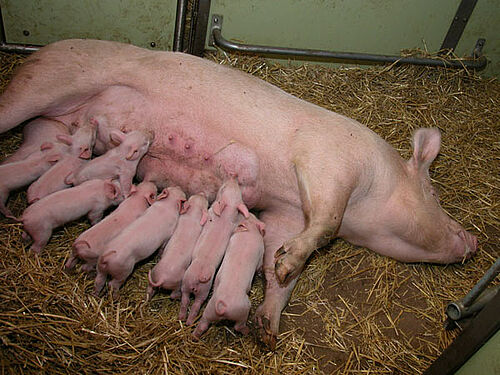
(220, 41)
(18, 48)
(180, 23)
(488, 277)
(458, 310)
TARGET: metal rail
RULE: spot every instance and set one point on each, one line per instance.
(180, 25)
(478, 62)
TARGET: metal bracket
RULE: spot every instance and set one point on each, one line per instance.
(458, 24)
(216, 39)
(215, 24)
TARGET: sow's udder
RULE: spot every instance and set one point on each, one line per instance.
(200, 167)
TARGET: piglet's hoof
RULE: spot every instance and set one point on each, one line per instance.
(266, 335)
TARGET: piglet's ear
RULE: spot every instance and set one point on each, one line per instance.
(85, 152)
(54, 158)
(133, 190)
(133, 153)
(151, 198)
(426, 145)
(262, 227)
(218, 207)
(185, 208)
(64, 138)
(241, 228)
(204, 217)
(180, 205)
(162, 195)
(46, 146)
(69, 179)
(117, 136)
(244, 210)
(111, 190)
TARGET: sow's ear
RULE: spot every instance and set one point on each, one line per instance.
(426, 145)
(117, 136)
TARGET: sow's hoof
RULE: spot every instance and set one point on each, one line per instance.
(266, 335)
(286, 267)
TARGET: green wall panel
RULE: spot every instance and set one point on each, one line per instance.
(485, 361)
(140, 22)
(370, 26)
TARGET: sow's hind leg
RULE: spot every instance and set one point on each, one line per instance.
(53, 81)
(324, 193)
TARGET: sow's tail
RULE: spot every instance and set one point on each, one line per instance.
(56, 80)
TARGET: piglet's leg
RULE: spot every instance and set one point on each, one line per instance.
(198, 301)
(324, 194)
(281, 225)
(95, 216)
(40, 232)
(100, 280)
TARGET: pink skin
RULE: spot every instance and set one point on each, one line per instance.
(176, 256)
(119, 162)
(289, 155)
(36, 133)
(139, 240)
(91, 243)
(90, 198)
(234, 279)
(80, 148)
(223, 217)
(20, 173)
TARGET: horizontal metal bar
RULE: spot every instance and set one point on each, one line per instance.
(220, 41)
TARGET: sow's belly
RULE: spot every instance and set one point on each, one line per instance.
(175, 159)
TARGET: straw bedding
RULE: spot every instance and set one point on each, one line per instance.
(353, 311)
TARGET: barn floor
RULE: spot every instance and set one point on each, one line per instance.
(352, 311)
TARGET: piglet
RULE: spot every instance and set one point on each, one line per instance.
(79, 149)
(232, 284)
(90, 198)
(36, 133)
(119, 162)
(139, 240)
(20, 173)
(91, 243)
(223, 217)
(176, 256)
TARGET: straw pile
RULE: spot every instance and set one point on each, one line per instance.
(353, 311)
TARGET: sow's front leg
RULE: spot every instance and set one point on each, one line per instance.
(281, 225)
(324, 190)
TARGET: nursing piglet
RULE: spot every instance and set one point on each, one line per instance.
(90, 198)
(223, 217)
(119, 162)
(91, 243)
(139, 240)
(20, 173)
(79, 149)
(232, 284)
(169, 271)
(35, 134)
